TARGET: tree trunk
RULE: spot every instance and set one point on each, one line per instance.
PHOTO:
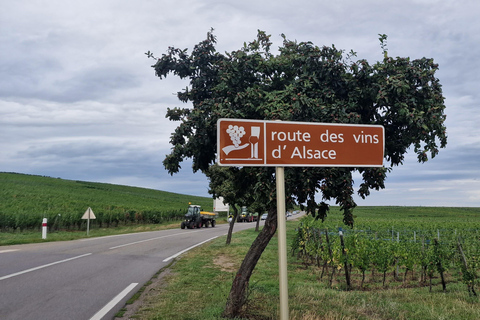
(323, 269)
(363, 278)
(238, 292)
(440, 268)
(330, 254)
(232, 223)
(257, 226)
(344, 253)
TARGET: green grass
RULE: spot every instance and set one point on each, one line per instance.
(200, 281)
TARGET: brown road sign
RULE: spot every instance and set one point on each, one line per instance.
(243, 142)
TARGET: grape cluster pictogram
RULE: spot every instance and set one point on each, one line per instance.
(236, 133)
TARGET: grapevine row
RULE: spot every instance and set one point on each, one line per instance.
(110, 217)
(426, 254)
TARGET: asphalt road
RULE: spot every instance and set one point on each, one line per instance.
(89, 278)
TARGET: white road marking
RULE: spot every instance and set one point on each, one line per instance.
(41, 267)
(183, 251)
(151, 239)
(125, 234)
(106, 237)
(100, 314)
(11, 250)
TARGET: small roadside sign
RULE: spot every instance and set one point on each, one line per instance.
(243, 142)
(89, 214)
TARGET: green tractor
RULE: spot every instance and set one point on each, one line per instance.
(246, 216)
(196, 218)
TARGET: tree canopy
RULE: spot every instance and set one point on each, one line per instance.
(304, 82)
(299, 82)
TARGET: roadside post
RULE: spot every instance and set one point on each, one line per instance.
(87, 216)
(279, 144)
(44, 228)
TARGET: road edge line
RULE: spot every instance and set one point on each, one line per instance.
(183, 251)
(109, 306)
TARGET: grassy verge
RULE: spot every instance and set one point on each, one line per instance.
(12, 238)
(199, 283)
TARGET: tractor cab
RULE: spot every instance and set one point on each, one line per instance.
(193, 211)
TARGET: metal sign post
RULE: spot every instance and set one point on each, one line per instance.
(282, 242)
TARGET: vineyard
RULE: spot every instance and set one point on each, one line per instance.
(406, 251)
(26, 199)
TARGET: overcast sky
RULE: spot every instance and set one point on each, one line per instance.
(79, 99)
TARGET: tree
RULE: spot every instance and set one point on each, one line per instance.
(229, 183)
(302, 82)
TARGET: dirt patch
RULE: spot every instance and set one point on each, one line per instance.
(225, 263)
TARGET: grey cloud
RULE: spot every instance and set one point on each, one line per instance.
(79, 100)
(98, 83)
(23, 78)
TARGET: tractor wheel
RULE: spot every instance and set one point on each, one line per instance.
(199, 225)
(207, 224)
(213, 223)
(191, 225)
(182, 225)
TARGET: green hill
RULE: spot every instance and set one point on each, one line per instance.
(26, 199)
